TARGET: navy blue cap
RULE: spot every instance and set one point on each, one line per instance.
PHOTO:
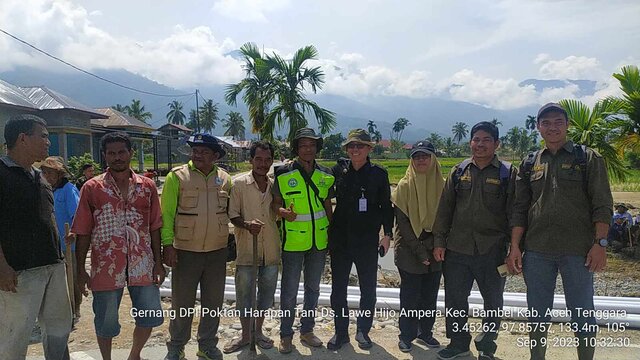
(207, 140)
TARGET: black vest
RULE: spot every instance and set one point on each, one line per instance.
(28, 233)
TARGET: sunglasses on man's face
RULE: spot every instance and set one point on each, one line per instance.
(356, 146)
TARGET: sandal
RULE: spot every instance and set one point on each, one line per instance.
(234, 345)
(264, 342)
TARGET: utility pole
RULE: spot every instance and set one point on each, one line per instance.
(197, 114)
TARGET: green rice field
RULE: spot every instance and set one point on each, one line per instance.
(398, 167)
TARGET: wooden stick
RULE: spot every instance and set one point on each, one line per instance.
(69, 267)
(254, 295)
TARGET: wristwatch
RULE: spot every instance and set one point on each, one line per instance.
(603, 242)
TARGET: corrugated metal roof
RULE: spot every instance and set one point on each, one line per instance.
(47, 99)
(12, 95)
(116, 119)
(177, 127)
(228, 140)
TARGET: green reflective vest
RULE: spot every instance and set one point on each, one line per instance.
(312, 224)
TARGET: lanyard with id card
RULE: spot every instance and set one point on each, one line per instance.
(362, 202)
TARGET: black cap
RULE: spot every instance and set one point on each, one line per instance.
(423, 146)
(207, 140)
(551, 107)
(487, 126)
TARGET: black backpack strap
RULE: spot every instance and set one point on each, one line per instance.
(505, 174)
(462, 167)
(527, 165)
(310, 183)
(580, 161)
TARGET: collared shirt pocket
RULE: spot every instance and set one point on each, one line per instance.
(223, 200)
(189, 199)
(493, 196)
(185, 227)
(570, 183)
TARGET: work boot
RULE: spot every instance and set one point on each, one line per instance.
(175, 353)
(337, 341)
(364, 341)
(538, 350)
(209, 354)
(285, 346)
(310, 339)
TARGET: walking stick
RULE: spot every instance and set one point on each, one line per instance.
(254, 296)
(69, 267)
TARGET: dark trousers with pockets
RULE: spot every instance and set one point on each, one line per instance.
(207, 269)
(460, 270)
(366, 260)
(418, 292)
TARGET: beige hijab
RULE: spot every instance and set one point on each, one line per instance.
(418, 195)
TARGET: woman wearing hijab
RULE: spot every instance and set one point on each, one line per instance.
(65, 203)
(416, 201)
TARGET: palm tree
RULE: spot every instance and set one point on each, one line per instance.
(512, 140)
(235, 125)
(460, 131)
(175, 114)
(436, 140)
(496, 122)
(136, 110)
(399, 126)
(376, 136)
(450, 147)
(590, 127)
(193, 120)
(120, 108)
(371, 127)
(257, 86)
(208, 115)
(628, 118)
(531, 122)
(289, 80)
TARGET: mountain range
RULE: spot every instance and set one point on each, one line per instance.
(426, 115)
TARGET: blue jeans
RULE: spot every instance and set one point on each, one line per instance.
(267, 282)
(146, 309)
(540, 273)
(312, 261)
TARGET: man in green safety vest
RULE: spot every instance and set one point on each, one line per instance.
(302, 195)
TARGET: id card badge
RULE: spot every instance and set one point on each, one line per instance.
(362, 204)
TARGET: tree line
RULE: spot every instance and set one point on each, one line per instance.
(274, 91)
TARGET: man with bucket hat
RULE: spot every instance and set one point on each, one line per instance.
(194, 237)
(363, 206)
(302, 195)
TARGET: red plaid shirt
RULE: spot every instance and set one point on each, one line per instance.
(120, 230)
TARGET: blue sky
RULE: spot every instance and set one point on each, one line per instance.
(367, 48)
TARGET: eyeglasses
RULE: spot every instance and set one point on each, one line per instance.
(421, 157)
(356, 146)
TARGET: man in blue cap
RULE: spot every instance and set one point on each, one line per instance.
(194, 238)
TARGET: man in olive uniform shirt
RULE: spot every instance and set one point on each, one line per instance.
(472, 224)
(564, 202)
